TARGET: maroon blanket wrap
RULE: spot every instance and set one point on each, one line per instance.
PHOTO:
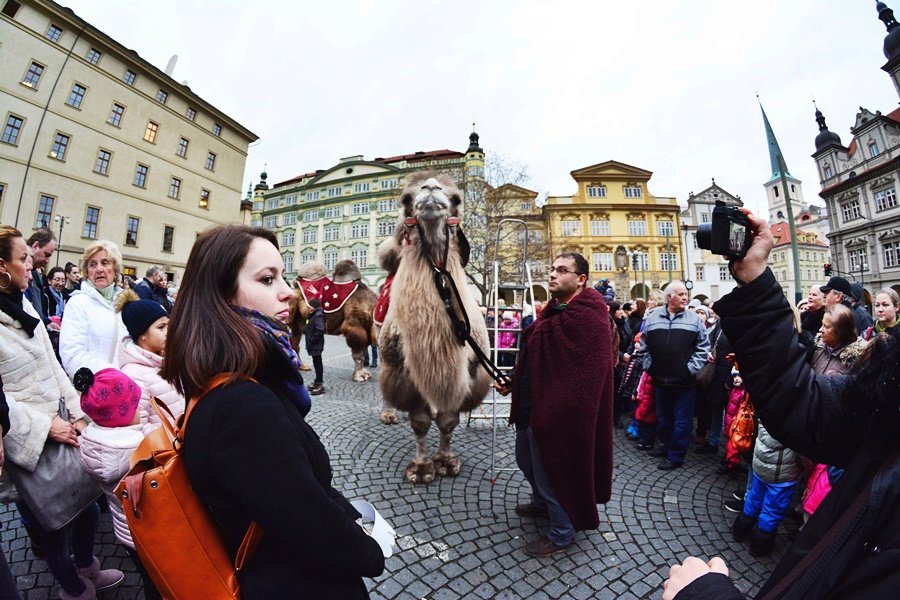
(570, 360)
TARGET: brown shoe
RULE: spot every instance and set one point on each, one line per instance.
(543, 547)
(530, 510)
(305, 367)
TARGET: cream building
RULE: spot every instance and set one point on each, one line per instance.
(98, 143)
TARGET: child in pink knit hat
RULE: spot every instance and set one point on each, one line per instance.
(109, 397)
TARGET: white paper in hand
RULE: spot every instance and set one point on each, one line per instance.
(382, 532)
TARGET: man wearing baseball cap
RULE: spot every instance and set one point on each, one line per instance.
(839, 291)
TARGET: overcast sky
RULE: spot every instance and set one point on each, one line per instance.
(666, 86)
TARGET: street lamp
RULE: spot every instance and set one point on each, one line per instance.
(63, 221)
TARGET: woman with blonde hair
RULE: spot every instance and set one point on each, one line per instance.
(92, 328)
(887, 304)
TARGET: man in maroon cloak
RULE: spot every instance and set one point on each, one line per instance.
(562, 395)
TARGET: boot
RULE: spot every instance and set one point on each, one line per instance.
(89, 592)
(317, 390)
(762, 542)
(106, 579)
(742, 527)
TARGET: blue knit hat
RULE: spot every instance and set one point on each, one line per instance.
(138, 315)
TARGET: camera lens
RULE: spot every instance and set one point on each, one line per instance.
(704, 236)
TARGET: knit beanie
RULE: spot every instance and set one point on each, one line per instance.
(109, 397)
(138, 315)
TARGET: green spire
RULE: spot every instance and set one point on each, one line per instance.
(774, 149)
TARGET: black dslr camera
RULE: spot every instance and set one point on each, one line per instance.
(728, 234)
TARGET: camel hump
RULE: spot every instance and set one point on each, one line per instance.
(311, 270)
(346, 270)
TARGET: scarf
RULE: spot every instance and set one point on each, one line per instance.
(879, 328)
(280, 335)
(108, 293)
(11, 304)
(60, 301)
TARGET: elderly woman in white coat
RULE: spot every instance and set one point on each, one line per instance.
(34, 383)
(91, 330)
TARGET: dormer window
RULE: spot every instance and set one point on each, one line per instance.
(826, 170)
(873, 148)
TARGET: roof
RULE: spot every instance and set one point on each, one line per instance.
(782, 234)
(894, 115)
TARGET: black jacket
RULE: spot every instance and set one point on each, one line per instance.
(315, 333)
(810, 414)
(251, 455)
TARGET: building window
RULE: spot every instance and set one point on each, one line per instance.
(335, 192)
(310, 254)
(360, 257)
(704, 217)
(182, 147)
(168, 238)
(891, 253)
(287, 238)
(360, 208)
(385, 228)
(694, 242)
(131, 230)
(329, 259)
(668, 261)
(359, 188)
(525, 206)
(288, 262)
(91, 219)
(33, 76)
(76, 96)
(271, 203)
(602, 261)
(643, 261)
(311, 196)
(102, 164)
(310, 235)
(597, 191)
(210, 161)
(599, 228)
(45, 211)
(873, 149)
(204, 199)
(632, 192)
(827, 171)
(332, 233)
(115, 115)
(332, 212)
(217, 130)
(637, 228)
(724, 275)
(310, 215)
(270, 222)
(12, 129)
(850, 210)
(129, 76)
(256, 222)
(699, 272)
(387, 206)
(93, 56)
(290, 218)
(665, 228)
(60, 144)
(174, 187)
(140, 175)
(162, 96)
(53, 33)
(571, 228)
(885, 199)
(150, 132)
(359, 230)
(290, 200)
(858, 260)
(388, 184)
(191, 114)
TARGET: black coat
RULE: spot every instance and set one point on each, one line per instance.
(315, 333)
(4, 410)
(251, 455)
(810, 414)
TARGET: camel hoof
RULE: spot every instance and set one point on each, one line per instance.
(388, 417)
(420, 472)
(446, 465)
(362, 375)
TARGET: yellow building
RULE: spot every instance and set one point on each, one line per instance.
(627, 234)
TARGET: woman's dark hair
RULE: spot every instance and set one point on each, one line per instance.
(8, 234)
(843, 323)
(206, 337)
(54, 271)
(640, 307)
(613, 307)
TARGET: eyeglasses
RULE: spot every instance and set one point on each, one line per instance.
(562, 270)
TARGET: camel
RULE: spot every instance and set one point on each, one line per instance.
(353, 319)
(426, 370)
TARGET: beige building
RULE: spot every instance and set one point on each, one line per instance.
(98, 143)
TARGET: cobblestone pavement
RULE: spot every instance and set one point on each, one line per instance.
(460, 538)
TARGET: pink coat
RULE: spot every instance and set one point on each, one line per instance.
(143, 367)
(505, 337)
(735, 397)
(645, 412)
(817, 487)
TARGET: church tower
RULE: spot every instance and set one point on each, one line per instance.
(774, 190)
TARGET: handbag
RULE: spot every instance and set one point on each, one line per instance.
(743, 427)
(58, 489)
(707, 374)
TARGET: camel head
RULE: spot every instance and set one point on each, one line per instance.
(431, 209)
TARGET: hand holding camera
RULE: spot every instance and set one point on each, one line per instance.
(741, 236)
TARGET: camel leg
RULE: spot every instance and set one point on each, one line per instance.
(388, 414)
(360, 373)
(445, 462)
(421, 469)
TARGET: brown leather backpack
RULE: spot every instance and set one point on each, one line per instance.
(743, 427)
(181, 547)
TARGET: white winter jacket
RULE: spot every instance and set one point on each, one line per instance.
(105, 452)
(33, 382)
(90, 332)
(143, 367)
